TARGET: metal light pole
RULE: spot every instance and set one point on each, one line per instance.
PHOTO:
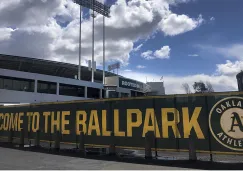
(79, 66)
(103, 49)
(104, 10)
(92, 61)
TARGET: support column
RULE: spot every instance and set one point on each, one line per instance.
(85, 92)
(192, 149)
(129, 94)
(101, 94)
(92, 61)
(35, 86)
(103, 49)
(107, 94)
(57, 89)
(80, 32)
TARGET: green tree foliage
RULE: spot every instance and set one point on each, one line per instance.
(200, 87)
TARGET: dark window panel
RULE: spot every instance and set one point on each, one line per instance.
(103, 93)
(1, 83)
(139, 94)
(46, 87)
(17, 84)
(124, 95)
(133, 94)
(113, 94)
(8, 84)
(71, 90)
(93, 93)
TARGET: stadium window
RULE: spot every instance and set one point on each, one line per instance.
(71, 90)
(23, 85)
(113, 94)
(46, 87)
(1, 83)
(8, 83)
(139, 94)
(133, 94)
(17, 84)
(103, 93)
(93, 93)
(124, 95)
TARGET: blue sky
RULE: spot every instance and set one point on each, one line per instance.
(223, 31)
(182, 40)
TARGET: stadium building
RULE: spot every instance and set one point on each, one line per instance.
(31, 80)
(239, 78)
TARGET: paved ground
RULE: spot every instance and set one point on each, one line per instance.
(24, 160)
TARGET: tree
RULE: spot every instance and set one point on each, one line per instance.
(209, 86)
(186, 87)
(200, 87)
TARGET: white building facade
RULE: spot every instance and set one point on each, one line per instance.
(24, 87)
(28, 80)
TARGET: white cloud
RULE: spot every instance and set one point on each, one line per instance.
(230, 68)
(173, 83)
(22, 13)
(193, 55)
(138, 48)
(147, 55)
(229, 51)
(212, 19)
(128, 70)
(32, 41)
(175, 2)
(177, 24)
(222, 80)
(5, 33)
(140, 67)
(37, 32)
(235, 50)
(163, 53)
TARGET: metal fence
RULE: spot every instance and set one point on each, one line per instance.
(200, 126)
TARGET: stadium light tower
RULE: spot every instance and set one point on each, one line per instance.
(103, 10)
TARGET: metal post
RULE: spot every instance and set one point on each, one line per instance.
(112, 148)
(155, 138)
(92, 63)
(209, 134)
(22, 138)
(79, 66)
(192, 149)
(103, 49)
(57, 141)
(37, 138)
(148, 150)
(82, 144)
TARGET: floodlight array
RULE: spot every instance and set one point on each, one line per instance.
(95, 5)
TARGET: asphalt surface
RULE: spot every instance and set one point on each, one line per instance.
(11, 159)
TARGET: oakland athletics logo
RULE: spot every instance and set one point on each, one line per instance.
(226, 122)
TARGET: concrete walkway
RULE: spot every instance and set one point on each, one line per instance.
(24, 160)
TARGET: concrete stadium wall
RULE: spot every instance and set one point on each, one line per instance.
(11, 96)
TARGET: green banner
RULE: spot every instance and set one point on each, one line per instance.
(215, 121)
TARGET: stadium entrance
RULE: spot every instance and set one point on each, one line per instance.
(120, 87)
